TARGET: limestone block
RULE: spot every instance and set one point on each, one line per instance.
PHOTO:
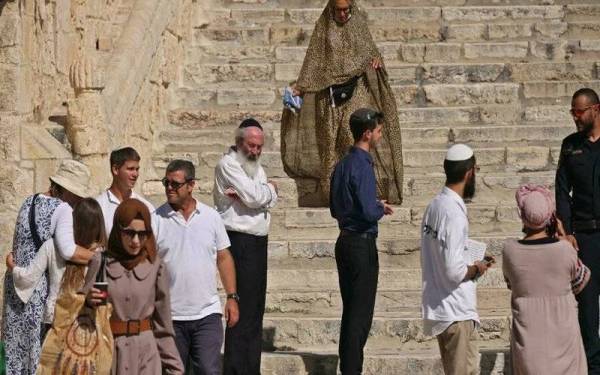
(304, 16)
(18, 183)
(482, 215)
(400, 215)
(500, 114)
(199, 74)
(309, 218)
(589, 45)
(197, 97)
(9, 139)
(583, 12)
(499, 13)
(556, 89)
(388, 15)
(507, 31)
(422, 135)
(10, 56)
(312, 249)
(463, 73)
(42, 172)
(9, 27)
(563, 71)
(401, 73)
(583, 30)
(230, 52)
(37, 143)
(554, 158)
(548, 114)
(290, 54)
(532, 158)
(278, 250)
(549, 50)
(390, 51)
(407, 32)
(251, 16)
(225, 34)
(438, 115)
(290, 35)
(199, 119)
(84, 75)
(258, 36)
(9, 82)
(441, 52)
(287, 72)
(508, 214)
(413, 53)
(509, 134)
(430, 158)
(405, 95)
(471, 32)
(553, 29)
(478, 93)
(204, 17)
(514, 50)
(246, 97)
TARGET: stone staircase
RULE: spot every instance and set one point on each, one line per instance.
(496, 74)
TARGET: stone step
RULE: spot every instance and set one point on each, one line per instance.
(493, 361)
(321, 280)
(388, 301)
(387, 332)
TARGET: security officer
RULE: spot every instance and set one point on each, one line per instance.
(578, 209)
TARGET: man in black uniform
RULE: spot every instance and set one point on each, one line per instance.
(578, 209)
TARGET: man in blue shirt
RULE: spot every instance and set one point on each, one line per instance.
(354, 204)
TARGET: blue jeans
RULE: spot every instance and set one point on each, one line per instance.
(199, 344)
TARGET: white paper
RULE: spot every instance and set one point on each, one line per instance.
(475, 251)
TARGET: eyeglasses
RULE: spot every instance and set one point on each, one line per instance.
(131, 233)
(175, 185)
(347, 10)
(579, 112)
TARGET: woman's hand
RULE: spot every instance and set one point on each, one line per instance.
(95, 297)
(376, 63)
(10, 262)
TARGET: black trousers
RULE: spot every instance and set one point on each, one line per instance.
(243, 342)
(589, 299)
(358, 271)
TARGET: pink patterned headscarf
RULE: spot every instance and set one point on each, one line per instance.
(536, 206)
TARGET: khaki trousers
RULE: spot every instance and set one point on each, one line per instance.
(458, 349)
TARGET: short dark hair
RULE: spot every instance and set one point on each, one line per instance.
(359, 128)
(590, 94)
(456, 170)
(186, 166)
(120, 156)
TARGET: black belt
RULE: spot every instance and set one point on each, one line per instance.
(365, 235)
(586, 225)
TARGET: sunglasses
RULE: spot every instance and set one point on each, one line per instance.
(173, 184)
(131, 233)
(580, 112)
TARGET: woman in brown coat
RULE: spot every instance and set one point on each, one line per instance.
(139, 292)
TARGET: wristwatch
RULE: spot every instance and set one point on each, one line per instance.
(234, 296)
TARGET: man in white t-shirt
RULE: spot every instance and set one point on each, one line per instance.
(193, 243)
(125, 170)
(449, 290)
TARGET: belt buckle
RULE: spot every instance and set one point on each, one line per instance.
(138, 326)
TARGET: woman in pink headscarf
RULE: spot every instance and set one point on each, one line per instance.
(544, 275)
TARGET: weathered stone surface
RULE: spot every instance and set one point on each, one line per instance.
(550, 71)
(583, 30)
(480, 93)
(507, 31)
(200, 74)
(471, 32)
(290, 54)
(37, 143)
(246, 97)
(548, 114)
(440, 52)
(528, 158)
(499, 13)
(251, 16)
(463, 73)
(516, 50)
(556, 89)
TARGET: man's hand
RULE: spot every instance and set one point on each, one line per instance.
(490, 260)
(232, 312)
(482, 266)
(387, 209)
(572, 240)
(231, 193)
(274, 186)
(376, 63)
(10, 262)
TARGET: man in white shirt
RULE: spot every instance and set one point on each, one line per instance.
(243, 197)
(449, 290)
(193, 243)
(125, 170)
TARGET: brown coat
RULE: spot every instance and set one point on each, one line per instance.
(142, 293)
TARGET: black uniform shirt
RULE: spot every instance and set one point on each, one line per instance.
(578, 173)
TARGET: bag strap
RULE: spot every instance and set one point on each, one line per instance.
(37, 241)
(101, 275)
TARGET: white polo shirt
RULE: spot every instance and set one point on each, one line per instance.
(189, 250)
(109, 203)
(444, 233)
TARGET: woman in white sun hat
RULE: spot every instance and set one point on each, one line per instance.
(43, 216)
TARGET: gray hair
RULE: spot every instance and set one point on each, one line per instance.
(186, 166)
(240, 133)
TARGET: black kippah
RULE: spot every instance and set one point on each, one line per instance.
(250, 122)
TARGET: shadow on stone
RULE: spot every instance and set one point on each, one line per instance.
(494, 362)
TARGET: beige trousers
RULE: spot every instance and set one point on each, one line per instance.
(458, 349)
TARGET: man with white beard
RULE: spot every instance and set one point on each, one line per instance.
(243, 197)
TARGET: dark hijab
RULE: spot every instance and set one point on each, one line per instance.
(127, 211)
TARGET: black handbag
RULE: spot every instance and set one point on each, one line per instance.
(343, 92)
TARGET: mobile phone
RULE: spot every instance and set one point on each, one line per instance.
(102, 286)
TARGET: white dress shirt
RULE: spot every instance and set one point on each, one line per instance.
(109, 203)
(250, 213)
(27, 278)
(447, 298)
(189, 251)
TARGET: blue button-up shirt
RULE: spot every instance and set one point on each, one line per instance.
(353, 193)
